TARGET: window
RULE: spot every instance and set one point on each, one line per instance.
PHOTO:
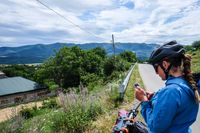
(18, 99)
(44, 93)
(4, 101)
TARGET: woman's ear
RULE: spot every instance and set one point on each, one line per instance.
(165, 64)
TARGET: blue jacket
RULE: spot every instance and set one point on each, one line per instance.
(172, 109)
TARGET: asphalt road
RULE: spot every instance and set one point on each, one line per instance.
(153, 82)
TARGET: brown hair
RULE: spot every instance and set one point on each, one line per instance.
(188, 75)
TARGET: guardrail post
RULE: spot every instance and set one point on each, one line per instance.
(123, 85)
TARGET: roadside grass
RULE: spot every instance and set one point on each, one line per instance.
(135, 78)
(105, 122)
(195, 60)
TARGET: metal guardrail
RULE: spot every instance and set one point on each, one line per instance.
(123, 86)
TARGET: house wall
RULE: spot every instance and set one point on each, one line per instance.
(2, 75)
(24, 97)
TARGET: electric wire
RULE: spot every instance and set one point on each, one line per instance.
(136, 35)
(62, 16)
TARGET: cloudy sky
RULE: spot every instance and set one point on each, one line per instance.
(26, 22)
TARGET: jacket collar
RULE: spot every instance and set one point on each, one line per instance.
(175, 80)
(180, 81)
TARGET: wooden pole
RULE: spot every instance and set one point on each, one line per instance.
(113, 43)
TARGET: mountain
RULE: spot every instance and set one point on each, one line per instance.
(39, 52)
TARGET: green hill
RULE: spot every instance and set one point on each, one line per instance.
(38, 53)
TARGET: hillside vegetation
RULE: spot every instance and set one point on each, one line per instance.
(86, 83)
(195, 60)
(194, 51)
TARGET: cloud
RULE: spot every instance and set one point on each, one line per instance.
(29, 22)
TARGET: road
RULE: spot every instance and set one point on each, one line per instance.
(153, 82)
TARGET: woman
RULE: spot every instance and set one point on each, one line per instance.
(173, 108)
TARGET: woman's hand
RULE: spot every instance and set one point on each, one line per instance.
(149, 95)
(140, 94)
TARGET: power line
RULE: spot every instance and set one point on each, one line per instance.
(57, 13)
(97, 36)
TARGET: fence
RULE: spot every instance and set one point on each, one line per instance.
(123, 86)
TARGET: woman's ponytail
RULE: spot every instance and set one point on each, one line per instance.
(188, 75)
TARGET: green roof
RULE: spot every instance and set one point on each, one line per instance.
(16, 85)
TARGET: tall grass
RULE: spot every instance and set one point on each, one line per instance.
(14, 124)
(74, 114)
(105, 122)
(195, 60)
(78, 112)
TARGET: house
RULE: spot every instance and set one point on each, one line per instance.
(2, 75)
(16, 90)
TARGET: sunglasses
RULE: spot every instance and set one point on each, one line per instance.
(155, 66)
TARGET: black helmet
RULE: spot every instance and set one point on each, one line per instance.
(169, 50)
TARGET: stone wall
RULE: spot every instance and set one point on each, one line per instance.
(24, 97)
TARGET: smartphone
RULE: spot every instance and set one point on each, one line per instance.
(136, 85)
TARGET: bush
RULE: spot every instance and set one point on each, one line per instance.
(114, 96)
(113, 64)
(94, 110)
(128, 56)
(76, 119)
(27, 113)
(50, 103)
(77, 114)
(196, 45)
(88, 78)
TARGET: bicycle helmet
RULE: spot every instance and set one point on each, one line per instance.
(169, 50)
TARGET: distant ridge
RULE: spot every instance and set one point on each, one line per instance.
(39, 52)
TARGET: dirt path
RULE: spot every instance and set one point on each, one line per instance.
(9, 112)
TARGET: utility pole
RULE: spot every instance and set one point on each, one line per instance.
(113, 43)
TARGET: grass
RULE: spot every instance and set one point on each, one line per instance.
(105, 122)
(135, 78)
(75, 114)
(195, 60)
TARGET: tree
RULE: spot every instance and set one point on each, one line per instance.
(100, 52)
(19, 70)
(92, 63)
(109, 66)
(115, 64)
(188, 47)
(70, 66)
(63, 69)
(67, 66)
(196, 44)
(128, 56)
